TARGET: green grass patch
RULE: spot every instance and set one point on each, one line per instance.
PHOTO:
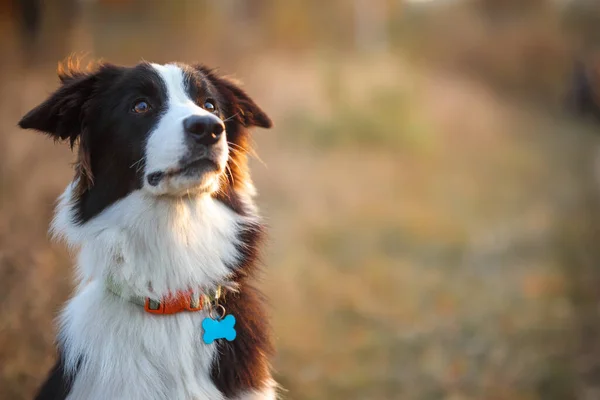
(383, 118)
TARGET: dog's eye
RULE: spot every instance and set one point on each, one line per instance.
(140, 107)
(209, 105)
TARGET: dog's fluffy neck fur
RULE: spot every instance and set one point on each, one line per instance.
(156, 245)
(152, 246)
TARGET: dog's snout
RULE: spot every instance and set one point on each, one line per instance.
(204, 129)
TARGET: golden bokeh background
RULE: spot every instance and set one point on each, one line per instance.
(433, 206)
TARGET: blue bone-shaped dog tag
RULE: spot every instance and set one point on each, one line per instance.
(219, 329)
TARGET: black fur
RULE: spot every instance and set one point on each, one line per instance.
(242, 365)
(58, 383)
(93, 109)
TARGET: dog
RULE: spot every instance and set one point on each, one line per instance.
(161, 211)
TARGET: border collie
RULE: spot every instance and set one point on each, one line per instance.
(161, 209)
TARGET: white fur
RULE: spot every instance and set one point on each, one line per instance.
(166, 144)
(131, 355)
(148, 242)
(270, 393)
(153, 246)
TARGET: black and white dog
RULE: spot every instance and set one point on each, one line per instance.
(161, 209)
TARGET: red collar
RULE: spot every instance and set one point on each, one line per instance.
(172, 304)
(181, 301)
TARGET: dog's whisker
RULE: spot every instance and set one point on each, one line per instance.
(140, 167)
(235, 144)
(240, 150)
(137, 162)
(260, 160)
(230, 174)
(236, 151)
(231, 117)
(235, 163)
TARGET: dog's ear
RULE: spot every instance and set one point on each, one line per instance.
(241, 106)
(61, 115)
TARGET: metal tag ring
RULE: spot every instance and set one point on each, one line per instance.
(221, 311)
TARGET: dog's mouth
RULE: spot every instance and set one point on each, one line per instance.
(194, 168)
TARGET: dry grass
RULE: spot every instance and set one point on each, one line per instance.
(425, 274)
(430, 238)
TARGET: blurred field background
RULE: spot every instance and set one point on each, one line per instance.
(434, 211)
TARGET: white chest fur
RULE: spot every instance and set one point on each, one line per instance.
(154, 246)
(131, 355)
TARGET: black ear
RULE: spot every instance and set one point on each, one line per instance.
(60, 115)
(241, 106)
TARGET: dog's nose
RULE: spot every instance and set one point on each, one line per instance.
(204, 129)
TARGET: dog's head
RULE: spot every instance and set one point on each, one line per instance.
(168, 130)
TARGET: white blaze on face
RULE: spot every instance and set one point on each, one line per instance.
(167, 144)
